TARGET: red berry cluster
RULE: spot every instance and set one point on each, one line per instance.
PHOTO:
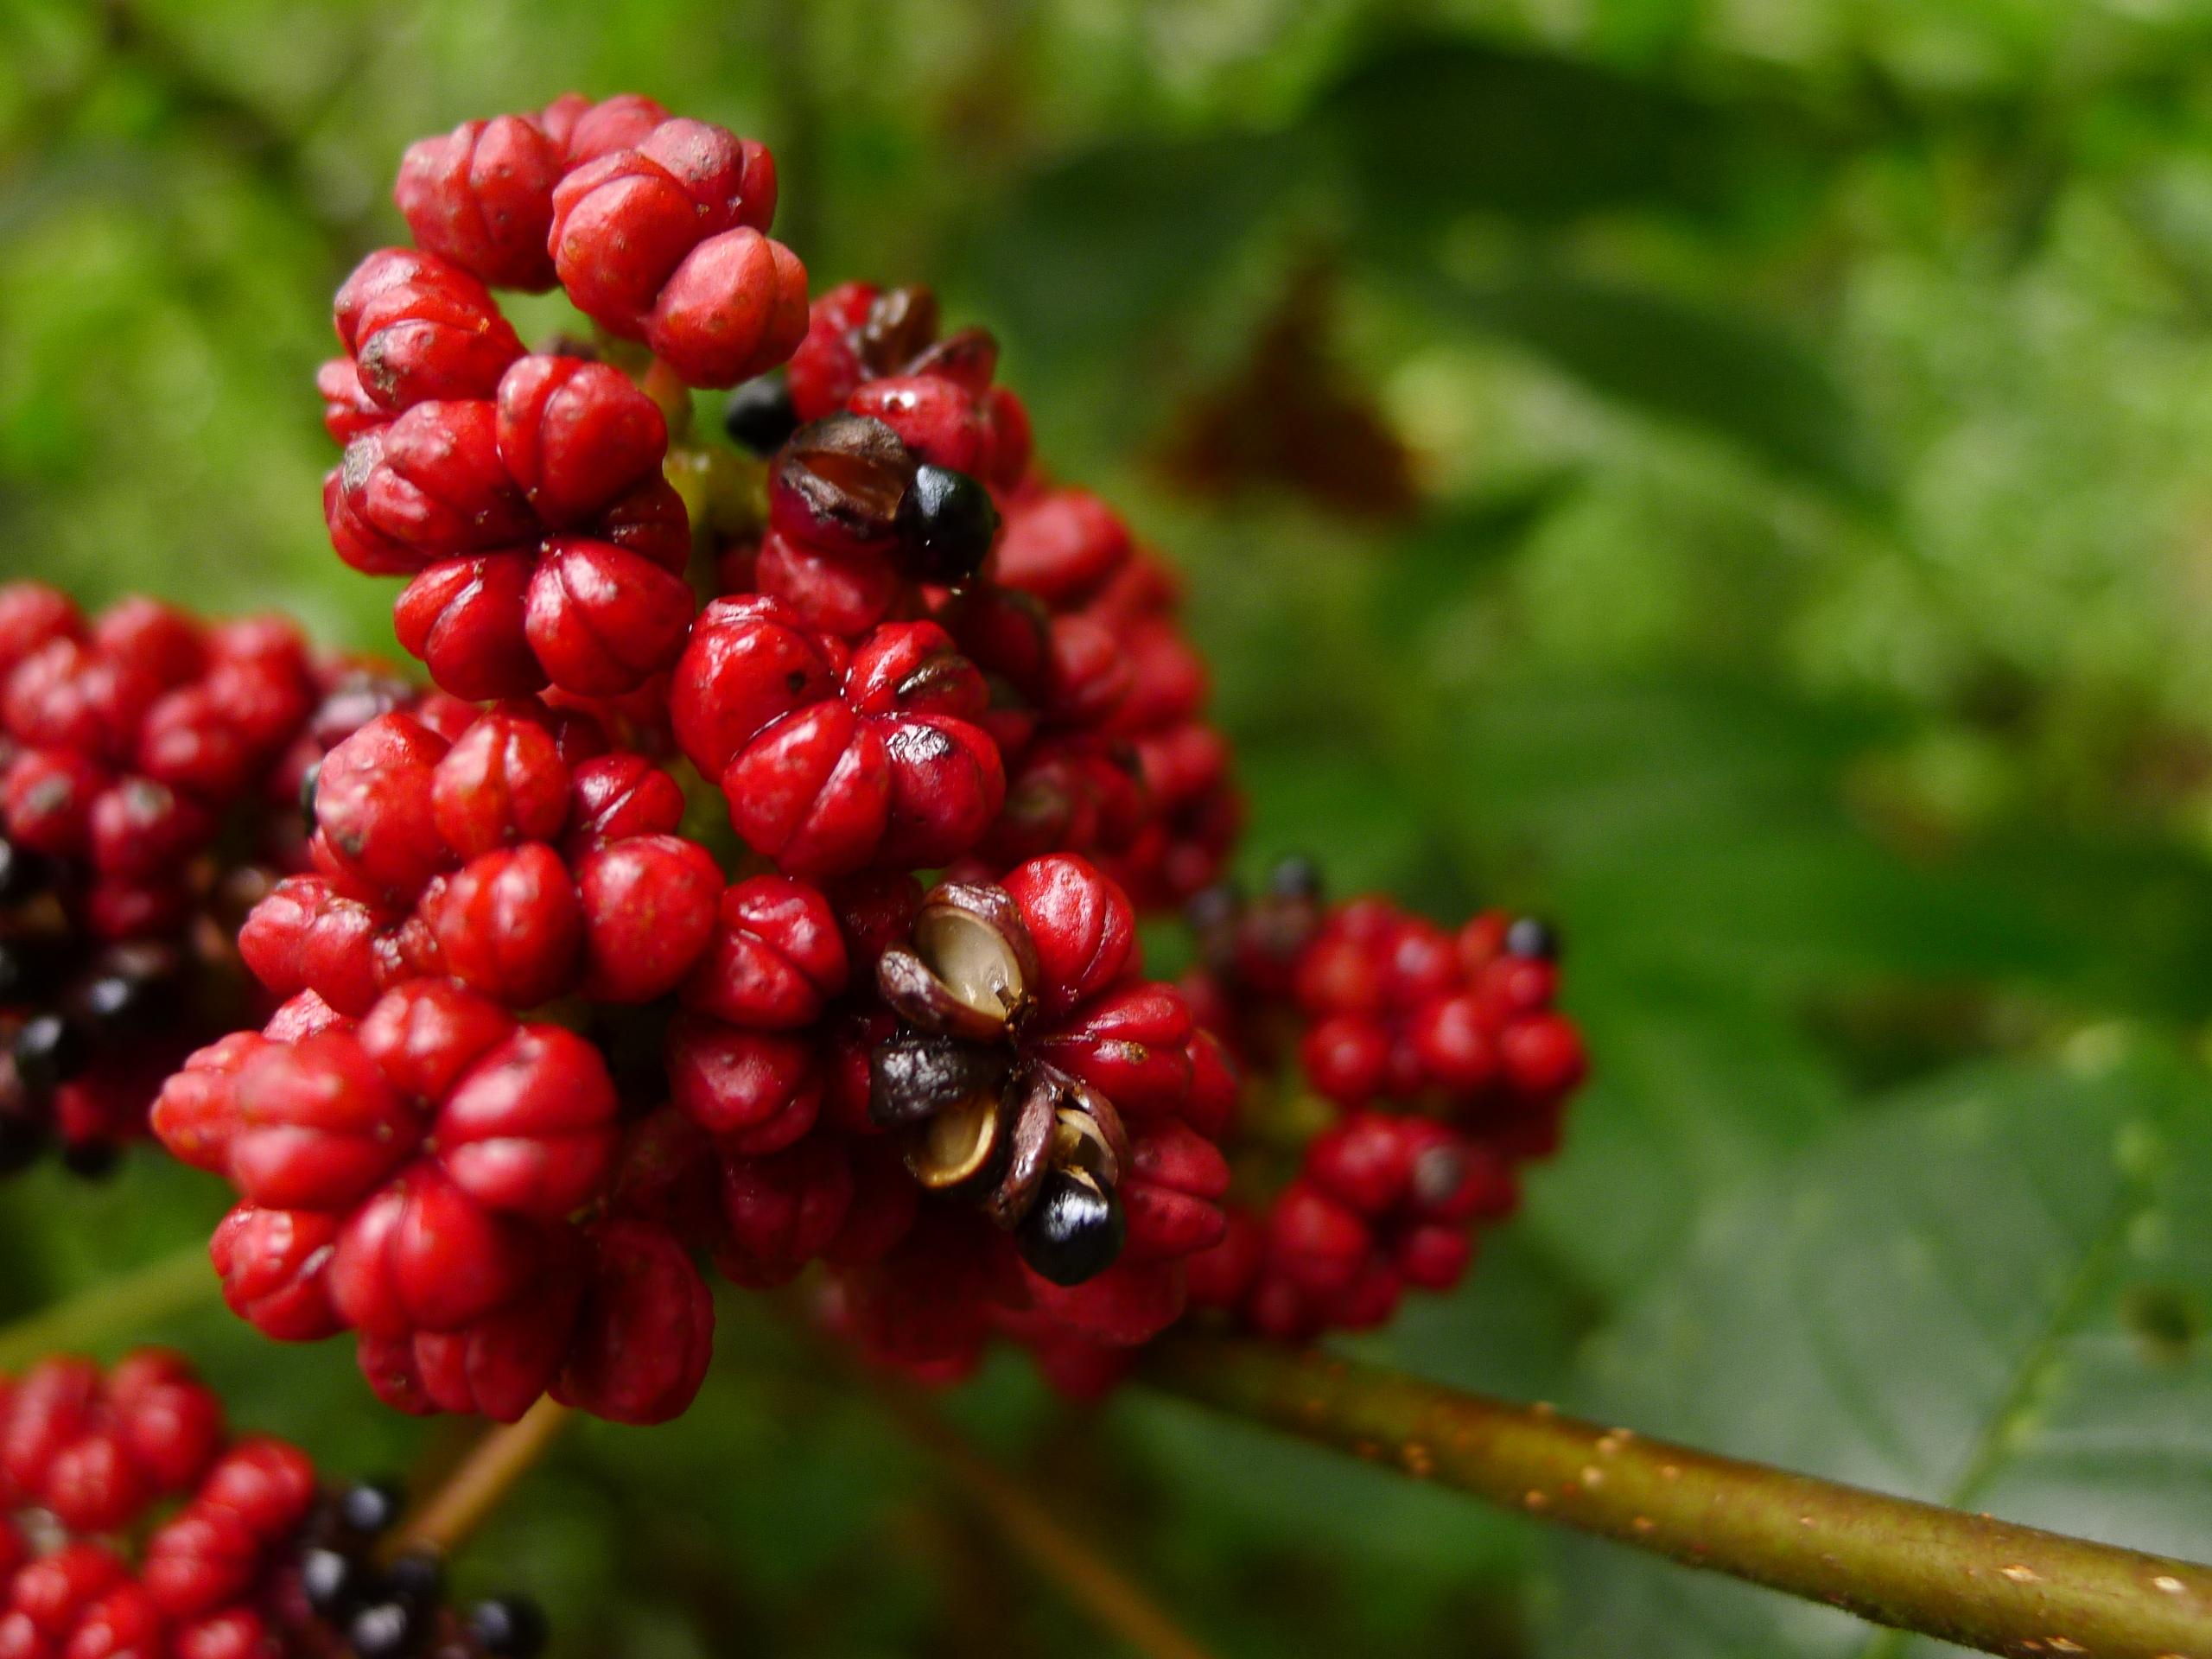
(541, 1049)
(523, 493)
(255, 1562)
(1448, 1061)
(147, 764)
(415, 1163)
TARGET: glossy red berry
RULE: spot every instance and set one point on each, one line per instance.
(481, 197)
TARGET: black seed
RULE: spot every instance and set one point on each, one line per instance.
(115, 1001)
(1295, 878)
(510, 1627)
(49, 1051)
(759, 415)
(946, 523)
(332, 1581)
(90, 1160)
(308, 779)
(369, 1508)
(386, 1629)
(1075, 1230)
(1530, 937)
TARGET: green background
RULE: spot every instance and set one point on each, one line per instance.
(1770, 531)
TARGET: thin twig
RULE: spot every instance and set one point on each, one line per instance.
(1026, 1527)
(501, 1458)
(1967, 1578)
(168, 1285)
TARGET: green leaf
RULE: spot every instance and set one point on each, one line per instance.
(1089, 255)
(1723, 371)
(1435, 126)
(1991, 1294)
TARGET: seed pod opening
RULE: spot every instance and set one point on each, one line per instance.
(973, 939)
(957, 1144)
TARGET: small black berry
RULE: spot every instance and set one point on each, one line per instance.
(1296, 877)
(386, 1629)
(48, 1051)
(418, 1579)
(1529, 937)
(510, 1627)
(331, 1580)
(90, 1160)
(308, 779)
(946, 523)
(369, 1508)
(759, 415)
(1075, 1230)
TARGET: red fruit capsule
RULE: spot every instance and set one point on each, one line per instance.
(616, 796)
(481, 196)
(375, 821)
(318, 1126)
(603, 621)
(272, 1263)
(423, 1255)
(759, 1090)
(733, 308)
(576, 435)
(748, 661)
(647, 1328)
(775, 959)
(531, 1127)
(420, 328)
(649, 905)
(1083, 925)
(509, 925)
(466, 620)
(502, 782)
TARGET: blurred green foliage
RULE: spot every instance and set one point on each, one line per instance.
(1808, 604)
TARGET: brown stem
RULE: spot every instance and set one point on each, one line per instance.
(1967, 1578)
(497, 1461)
(1028, 1527)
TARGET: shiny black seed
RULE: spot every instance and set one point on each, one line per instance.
(387, 1629)
(509, 1628)
(332, 1581)
(369, 1508)
(1074, 1231)
(308, 779)
(1531, 937)
(946, 523)
(90, 1160)
(759, 415)
(1295, 878)
(913, 1076)
(49, 1051)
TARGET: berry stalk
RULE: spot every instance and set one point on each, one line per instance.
(1034, 1532)
(505, 1453)
(1982, 1583)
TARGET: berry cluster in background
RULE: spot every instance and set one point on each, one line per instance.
(134, 1526)
(759, 887)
